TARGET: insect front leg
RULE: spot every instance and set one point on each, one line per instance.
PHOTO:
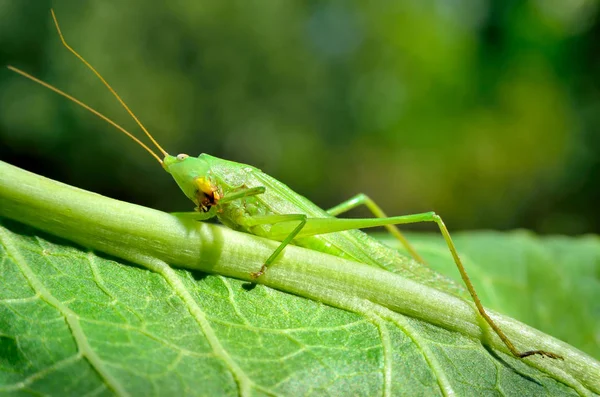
(242, 193)
(363, 199)
(196, 215)
(272, 220)
(212, 211)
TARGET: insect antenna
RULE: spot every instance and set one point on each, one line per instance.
(83, 105)
(86, 63)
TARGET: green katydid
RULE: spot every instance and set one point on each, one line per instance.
(246, 199)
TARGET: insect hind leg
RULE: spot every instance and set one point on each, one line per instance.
(316, 226)
(363, 199)
(433, 217)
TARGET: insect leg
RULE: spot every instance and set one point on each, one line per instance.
(463, 273)
(272, 220)
(195, 216)
(242, 193)
(316, 226)
(201, 215)
(363, 199)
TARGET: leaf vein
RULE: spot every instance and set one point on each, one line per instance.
(171, 277)
(70, 317)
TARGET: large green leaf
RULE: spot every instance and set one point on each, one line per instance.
(73, 322)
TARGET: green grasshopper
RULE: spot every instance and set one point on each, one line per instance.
(246, 199)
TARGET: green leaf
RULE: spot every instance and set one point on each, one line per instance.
(551, 283)
(74, 323)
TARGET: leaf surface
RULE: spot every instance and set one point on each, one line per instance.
(550, 283)
(76, 323)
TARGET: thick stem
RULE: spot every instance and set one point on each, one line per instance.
(131, 232)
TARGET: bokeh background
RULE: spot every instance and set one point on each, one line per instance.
(485, 111)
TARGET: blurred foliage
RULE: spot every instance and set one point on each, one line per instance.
(484, 111)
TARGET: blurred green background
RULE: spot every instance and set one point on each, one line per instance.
(484, 111)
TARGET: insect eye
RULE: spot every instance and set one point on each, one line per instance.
(182, 156)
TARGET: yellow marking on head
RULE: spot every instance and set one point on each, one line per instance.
(204, 186)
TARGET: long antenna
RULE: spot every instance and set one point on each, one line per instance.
(83, 105)
(86, 63)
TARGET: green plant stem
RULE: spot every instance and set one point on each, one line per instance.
(136, 233)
